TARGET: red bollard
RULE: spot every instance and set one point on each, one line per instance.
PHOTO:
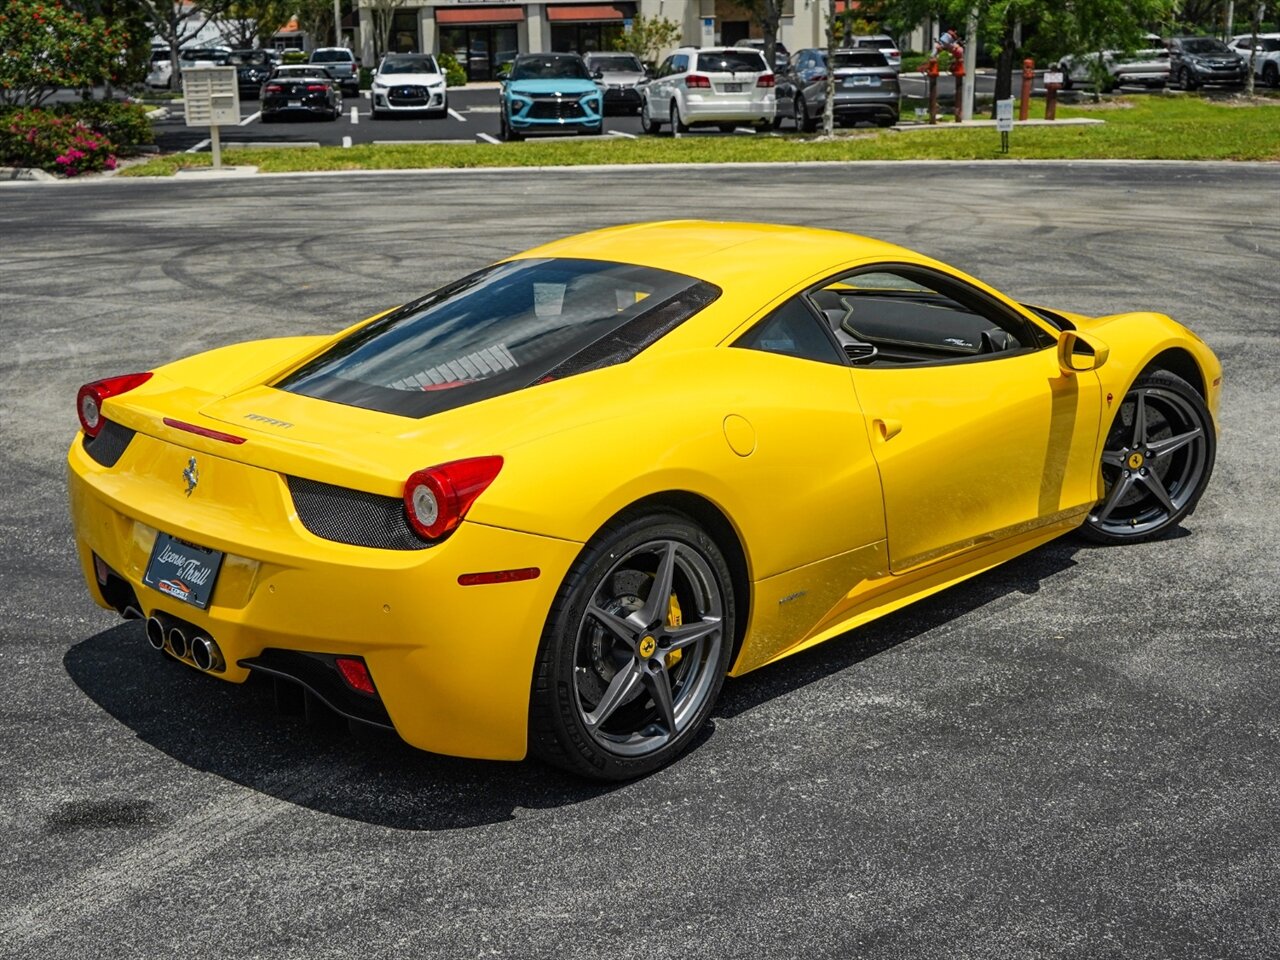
(1051, 101)
(1028, 74)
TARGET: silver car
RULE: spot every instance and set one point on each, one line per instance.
(618, 75)
(1148, 67)
(1266, 65)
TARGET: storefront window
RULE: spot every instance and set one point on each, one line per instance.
(585, 37)
(404, 32)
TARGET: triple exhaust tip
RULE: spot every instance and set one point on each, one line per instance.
(201, 650)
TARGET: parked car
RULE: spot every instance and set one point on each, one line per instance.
(341, 64)
(253, 67)
(549, 93)
(162, 68)
(299, 91)
(885, 44)
(1148, 66)
(1195, 61)
(548, 507)
(781, 55)
(620, 76)
(408, 83)
(1267, 65)
(715, 86)
(866, 88)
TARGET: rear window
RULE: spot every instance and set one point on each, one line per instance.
(507, 327)
(881, 43)
(410, 65)
(861, 58)
(731, 61)
(332, 56)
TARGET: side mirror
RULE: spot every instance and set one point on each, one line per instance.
(1079, 352)
(597, 74)
(504, 74)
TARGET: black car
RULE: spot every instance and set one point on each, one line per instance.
(866, 88)
(1195, 61)
(253, 67)
(299, 91)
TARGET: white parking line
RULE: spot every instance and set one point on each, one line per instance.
(199, 146)
(619, 133)
(346, 143)
(456, 115)
(249, 119)
(486, 138)
(355, 114)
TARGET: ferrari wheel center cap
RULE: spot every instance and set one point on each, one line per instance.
(1136, 460)
(647, 647)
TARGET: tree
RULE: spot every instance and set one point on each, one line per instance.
(175, 23)
(1093, 27)
(246, 23)
(48, 45)
(315, 17)
(649, 37)
(382, 13)
(768, 15)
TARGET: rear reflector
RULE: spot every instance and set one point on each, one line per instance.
(499, 576)
(355, 673)
(202, 431)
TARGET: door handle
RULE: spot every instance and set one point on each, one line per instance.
(888, 429)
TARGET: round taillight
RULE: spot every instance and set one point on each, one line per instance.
(89, 399)
(437, 498)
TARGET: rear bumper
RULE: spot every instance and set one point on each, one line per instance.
(452, 664)
(698, 109)
(275, 104)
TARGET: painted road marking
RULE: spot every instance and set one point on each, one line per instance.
(486, 138)
(456, 115)
(199, 146)
(346, 143)
(249, 119)
(355, 115)
(619, 133)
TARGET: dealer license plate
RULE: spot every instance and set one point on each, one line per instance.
(295, 103)
(182, 570)
(732, 88)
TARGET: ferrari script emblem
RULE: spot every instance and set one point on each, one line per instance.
(191, 475)
(647, 646)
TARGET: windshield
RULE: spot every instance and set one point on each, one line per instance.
(409, 65)
(861, 58)
(1204, 45)
(332, 56)
(731, 61)
(616, 64)
(256, 58)
(508, 327)
(550, 68)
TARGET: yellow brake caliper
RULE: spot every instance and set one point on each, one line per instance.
(674, 619)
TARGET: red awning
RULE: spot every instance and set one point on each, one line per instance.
(586, 11)
(479, 14)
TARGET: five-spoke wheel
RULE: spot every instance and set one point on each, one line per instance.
(1156, 461)
(635, 650)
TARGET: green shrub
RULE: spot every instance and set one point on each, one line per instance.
(366, 78)
(454, 75)
(293, 56)
(31, 137)
(122, 123)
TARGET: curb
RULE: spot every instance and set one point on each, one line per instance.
(25, 173)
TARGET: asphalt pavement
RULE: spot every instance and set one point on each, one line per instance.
(1075, 755)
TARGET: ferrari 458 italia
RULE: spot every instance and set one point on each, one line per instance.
(550, 506)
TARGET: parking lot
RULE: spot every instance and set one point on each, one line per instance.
(1074, 755)
(473, 117)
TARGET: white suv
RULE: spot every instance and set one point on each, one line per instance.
(712, 86)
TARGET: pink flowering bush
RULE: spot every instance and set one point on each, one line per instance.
(58, 144)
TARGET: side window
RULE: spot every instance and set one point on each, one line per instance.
(665, 69)
(679, 63)
(912, 315)
(794, 331)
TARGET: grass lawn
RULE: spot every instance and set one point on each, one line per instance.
(1151, 127)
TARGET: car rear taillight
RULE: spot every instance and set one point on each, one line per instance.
(766, 80)
(89, 399)
(818, 78)
(274, 88)
(697, 81)
(316, 87)
(437, 498)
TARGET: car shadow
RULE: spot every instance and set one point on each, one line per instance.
(235, 731)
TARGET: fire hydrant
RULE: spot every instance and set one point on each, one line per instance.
(931, 71)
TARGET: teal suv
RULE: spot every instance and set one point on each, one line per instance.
(550, 93)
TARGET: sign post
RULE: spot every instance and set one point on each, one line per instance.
(211, 97)
(1004, 122)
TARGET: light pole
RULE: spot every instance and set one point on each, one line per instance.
(337, 23)
(970, 64)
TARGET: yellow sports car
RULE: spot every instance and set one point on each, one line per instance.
(547, 508)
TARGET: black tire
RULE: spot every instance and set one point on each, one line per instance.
(504, 130)
(1157, 460)
(777, 121)
(762, 126)
(727, 127)
(1271, 75)
(887, 121)
(647, 123)
(677, 125)
(804, 122)
(375, 113)
(1188, 82)
(583, 667)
